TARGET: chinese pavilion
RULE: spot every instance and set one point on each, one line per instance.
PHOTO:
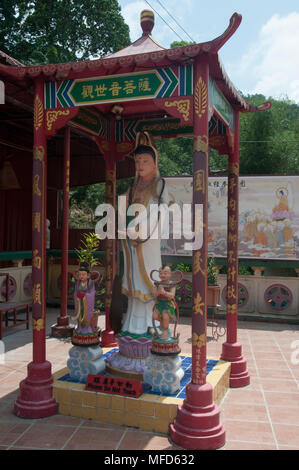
(85, 118)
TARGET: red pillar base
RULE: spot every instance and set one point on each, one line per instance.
(35, 399)
(239, 376)
(197, 425)
(107, 339)
(62, 329)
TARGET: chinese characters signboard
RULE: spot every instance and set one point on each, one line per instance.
(114, 385)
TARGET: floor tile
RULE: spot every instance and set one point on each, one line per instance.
(289, 400)
(135, 440)
(244, 396)
(257, 432)
(278, 385)
(244, 412)
(10, 432)
(97, 439)
(284, 415)
(287, 434)
(45, 436)
(240, 445)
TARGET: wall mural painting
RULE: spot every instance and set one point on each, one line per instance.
(268, 216)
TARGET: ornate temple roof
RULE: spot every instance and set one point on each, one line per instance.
(145, 52)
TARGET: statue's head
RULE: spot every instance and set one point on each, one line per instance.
(145, 156)
(145, 162)
(165, 273)
(83, 271)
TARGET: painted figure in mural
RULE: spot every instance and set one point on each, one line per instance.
(165, 307)
(143, 255)
(84, 298)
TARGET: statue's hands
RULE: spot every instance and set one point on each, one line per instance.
(160, 290)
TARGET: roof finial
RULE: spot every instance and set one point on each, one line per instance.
(147, 21)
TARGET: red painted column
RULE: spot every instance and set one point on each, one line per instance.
(231, 349)
(35, 398)
(197, 425)
(63, 329)
(108, 339)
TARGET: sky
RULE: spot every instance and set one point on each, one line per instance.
(261, 57)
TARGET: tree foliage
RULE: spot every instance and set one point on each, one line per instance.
(269, 140)
(52, 31)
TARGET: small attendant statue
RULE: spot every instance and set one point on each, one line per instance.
(165, 307)
(86, 333)
(163, 371)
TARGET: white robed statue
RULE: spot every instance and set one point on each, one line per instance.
(141, 255)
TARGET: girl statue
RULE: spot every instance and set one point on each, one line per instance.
(86, 333)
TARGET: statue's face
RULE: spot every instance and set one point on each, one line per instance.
(165, 275)
(83, 276)
(145, 165)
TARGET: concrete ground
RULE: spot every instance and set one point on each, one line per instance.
(263, 415)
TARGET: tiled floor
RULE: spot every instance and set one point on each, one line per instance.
(263, 415)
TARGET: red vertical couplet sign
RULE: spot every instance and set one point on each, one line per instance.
(36, 391)
(108, 339)
(200, 196)
(197, 425)
(231, 349)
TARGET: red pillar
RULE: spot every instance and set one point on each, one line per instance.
(231, 349)
(197, 425)
(35, 398)
(108, 339)
(63, 329)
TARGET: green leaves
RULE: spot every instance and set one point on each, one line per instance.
(43, 31)
(89, 244)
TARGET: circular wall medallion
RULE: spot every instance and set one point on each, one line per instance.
(27, 285)
(278, 297)
(184, 291)
(12, 289)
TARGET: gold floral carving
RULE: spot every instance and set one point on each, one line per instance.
(232, 309)
(38, 153)
(38, 112)
(201, 143)
(200, 97)
(123, 147)
(198, 340)
(183, 107)
(38, 324)
(234, 168)
(218, 140)
(52, 117)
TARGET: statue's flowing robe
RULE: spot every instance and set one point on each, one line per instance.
(139, 260)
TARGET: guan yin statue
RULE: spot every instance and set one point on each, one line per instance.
(142, 255)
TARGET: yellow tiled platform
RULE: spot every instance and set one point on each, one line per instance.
(148, 412)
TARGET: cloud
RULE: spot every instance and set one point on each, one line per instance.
(273, 61)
